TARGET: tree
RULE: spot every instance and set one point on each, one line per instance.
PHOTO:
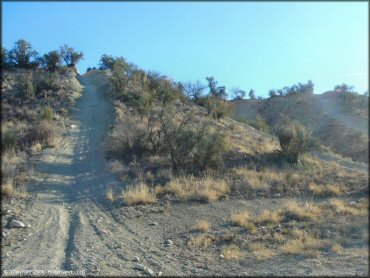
(22, 55)
(237, 94)
(251, 94)
(107, 61)
(70, 56)
(4, 58)
(343, 88)
(273, 93)
(194, 90)
(52, 60)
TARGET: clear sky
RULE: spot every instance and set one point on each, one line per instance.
(242, 44)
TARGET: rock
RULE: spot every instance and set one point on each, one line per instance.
(149, 271)
(73, 126)
(160, 273)
(276, 195)
(153, 224)
(16, 224)
(140, 267)
(168, 242)
(104, 231)
(28, 226)
(136, 259)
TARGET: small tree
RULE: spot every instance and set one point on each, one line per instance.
(26, 85)
(107, 61)
(273, 93)
(252, 94)
(4, 58)
(22, 55)
(70, 56)
(52, 60)
(194, 90)
(238, 94)
(294, 140)
(343, 88)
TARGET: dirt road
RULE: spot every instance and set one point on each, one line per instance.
(76, 231)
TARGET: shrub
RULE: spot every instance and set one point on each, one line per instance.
(42, 132)
(294, 140)
(216, 107)
(47, 113)
(26, 85)
(261, 124)
(52, 60)
(209, 151)
(48, 81)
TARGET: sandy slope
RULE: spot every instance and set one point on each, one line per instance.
(74, 229)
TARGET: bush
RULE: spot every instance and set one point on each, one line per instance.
(209, 151)
(216, 107)
(26, 85)
(190, 145)
(52, 60)
(47, 113)
(48, 81)
(294, 140)
(261, 124)
(42, 132)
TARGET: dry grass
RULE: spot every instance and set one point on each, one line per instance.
(325, 190)
(307, 246)
(309, 211)
(337, 248)
(109, 194)
(202, 242)
(202, 226)
(232, 252)
(268, 217)
(204, 189)
(240, 219)
(139, 194)
(260, 181)
(22, 191)
(261, 252)
(7, 189)
(36, 148)
(340, 206)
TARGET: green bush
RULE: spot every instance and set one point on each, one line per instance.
(209, 151)
(294, 140)
(191, 146)
(26, 85)
(47, 113)
(260, 123)
(49, 81)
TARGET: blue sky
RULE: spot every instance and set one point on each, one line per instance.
(242, 44)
